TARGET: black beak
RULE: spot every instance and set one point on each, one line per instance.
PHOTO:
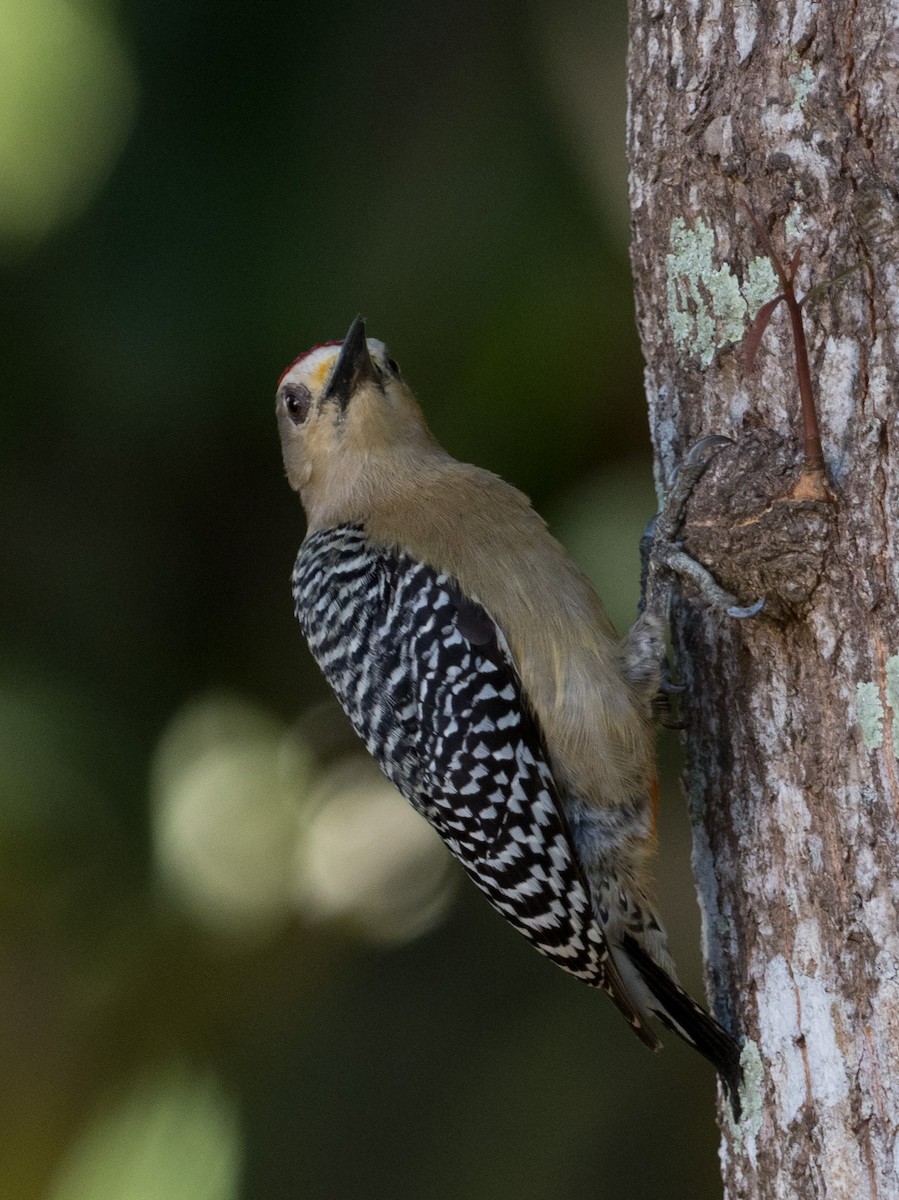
(354, 365)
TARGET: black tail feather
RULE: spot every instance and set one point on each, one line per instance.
(681, 1014)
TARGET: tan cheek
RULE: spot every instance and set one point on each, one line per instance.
(321, 444)
(366, 427)
(296, 464)
(316, 437)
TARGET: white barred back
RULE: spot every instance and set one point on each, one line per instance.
(426, 679)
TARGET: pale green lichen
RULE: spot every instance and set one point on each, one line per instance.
(801, 83)
(892, 690)
(692, 317)
(728, 304)
(689, 260)
(795, 226)
(760, 285)
(707, 308)
(750, 1094)
(869, 710)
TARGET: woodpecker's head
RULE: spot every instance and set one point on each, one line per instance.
(341, 406)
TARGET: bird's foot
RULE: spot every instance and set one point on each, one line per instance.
(663, 556)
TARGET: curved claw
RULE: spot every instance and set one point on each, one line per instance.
(742, 613)
(662, 555)
(688, 474)
(706, 448)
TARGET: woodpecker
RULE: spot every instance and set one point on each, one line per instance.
(478, 666)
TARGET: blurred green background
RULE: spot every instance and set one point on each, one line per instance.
(232, 962)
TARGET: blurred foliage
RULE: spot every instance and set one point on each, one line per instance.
(170, 1135)
(228, 958)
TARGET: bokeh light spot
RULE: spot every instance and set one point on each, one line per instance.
(369, 857)
(174, 1135)
(67, 100)
(228, 785)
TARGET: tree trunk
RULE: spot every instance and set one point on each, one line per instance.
(792, 717)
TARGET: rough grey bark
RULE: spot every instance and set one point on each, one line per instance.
(792, 718)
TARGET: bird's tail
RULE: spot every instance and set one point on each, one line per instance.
(679, 1012)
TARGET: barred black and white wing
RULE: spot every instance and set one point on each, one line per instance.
(427, 680)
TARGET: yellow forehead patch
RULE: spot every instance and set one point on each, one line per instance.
(320, 373)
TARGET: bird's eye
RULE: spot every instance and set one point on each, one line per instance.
(297, 400)
(392, 363)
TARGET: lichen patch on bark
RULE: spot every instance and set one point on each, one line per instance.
(707, 305)
(791, 767)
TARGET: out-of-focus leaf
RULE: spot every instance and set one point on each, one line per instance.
(228, 789)
(173, 1135)
(67, 98)
(369, 857)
